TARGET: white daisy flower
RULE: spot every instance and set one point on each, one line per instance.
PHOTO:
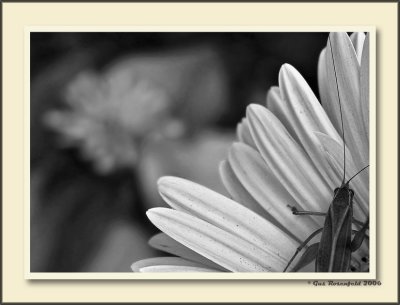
(289, 154)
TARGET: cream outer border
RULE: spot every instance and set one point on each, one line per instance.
(14, 146)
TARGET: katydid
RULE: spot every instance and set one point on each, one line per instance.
(333, 252)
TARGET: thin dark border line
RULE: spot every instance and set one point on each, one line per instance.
(38, 278)
(370, 28)
(185, 302)
(1, 128)
(1, 156)
(195, 303)
(398, 138)
(204, 1)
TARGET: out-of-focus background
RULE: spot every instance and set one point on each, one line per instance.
(112, 112)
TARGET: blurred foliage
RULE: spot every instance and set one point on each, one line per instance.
(83, 221)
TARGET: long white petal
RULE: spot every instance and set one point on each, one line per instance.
(328, 98)
(287, 160)
(169, 264)
(278, 106)
(261, 183)
(364, 83)
(303, 103)
(307, 116)
(172, 268)
(222, 247)
(238, 192)
(357, 38)
(163, 242)
(348, 82)
(243, 133)
(197, 200)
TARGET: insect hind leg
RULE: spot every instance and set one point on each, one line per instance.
(302, 245)
(296, 211)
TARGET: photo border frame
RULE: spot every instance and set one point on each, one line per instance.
(11, 295)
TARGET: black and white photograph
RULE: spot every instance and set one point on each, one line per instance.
(201, 152)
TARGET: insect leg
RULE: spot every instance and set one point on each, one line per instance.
(295, 211)
(366, 236)
(359, 237)
(302, 246)
(358, 222)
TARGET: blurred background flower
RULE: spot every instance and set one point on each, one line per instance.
(105, 121)
(112, 112)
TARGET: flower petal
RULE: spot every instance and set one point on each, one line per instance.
(306, 116)
(257, 178)
(72, 126)
(364, 83)
(347, 77)
(163, 242)
(328, 97)
(169, 264)
(243, 133)
(238, 192)
(357, 38)
(166, 268)
(197, 200)
(287, 160)
(222, 247)
(303, 103)
(278, 106)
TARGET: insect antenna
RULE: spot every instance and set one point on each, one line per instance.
(357, 173)
(341, 115)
